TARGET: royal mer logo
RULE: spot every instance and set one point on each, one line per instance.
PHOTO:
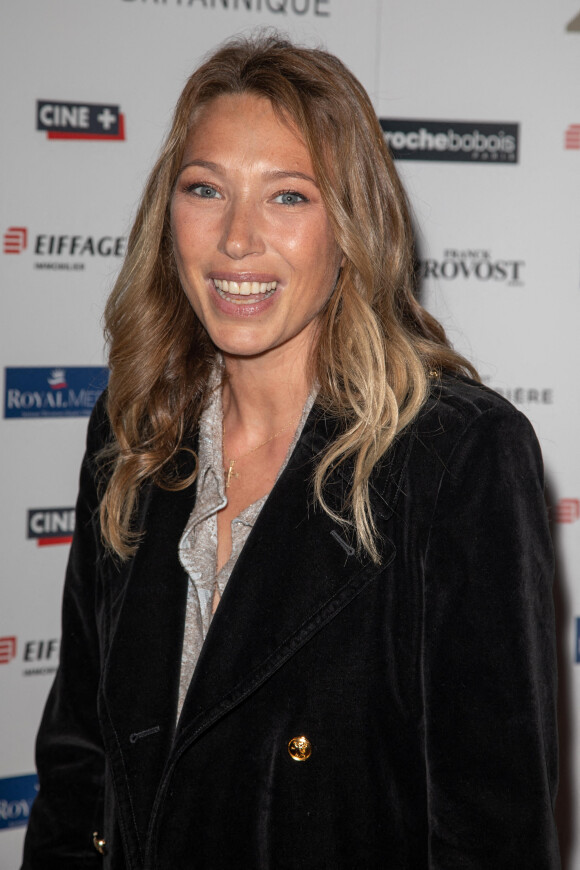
(319, 8)
(455, 141)
(17, 794)
(62, 252)
(79, 120)
(53, 392)
(49, 526)
(469, 264)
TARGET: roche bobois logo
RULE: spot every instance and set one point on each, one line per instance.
(79, 120)
(53, 392)
(452, 141)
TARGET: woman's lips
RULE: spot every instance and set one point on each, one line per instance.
(244, 292)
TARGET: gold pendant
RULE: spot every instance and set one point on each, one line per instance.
(231, 473)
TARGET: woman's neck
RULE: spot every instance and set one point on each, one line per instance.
(262, 394)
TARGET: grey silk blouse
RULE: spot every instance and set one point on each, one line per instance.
(198, 544)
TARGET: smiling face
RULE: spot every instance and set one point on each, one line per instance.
(254, 248)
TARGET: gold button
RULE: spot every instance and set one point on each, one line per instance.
(300, 748)
(99, 843)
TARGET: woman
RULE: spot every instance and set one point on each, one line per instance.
(286, 429)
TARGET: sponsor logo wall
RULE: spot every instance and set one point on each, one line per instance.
(490, 165)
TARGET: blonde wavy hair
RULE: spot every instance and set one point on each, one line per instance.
(376, 344)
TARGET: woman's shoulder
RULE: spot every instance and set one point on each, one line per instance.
(464, 422)
(457, 403)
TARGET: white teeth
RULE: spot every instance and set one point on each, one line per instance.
(244, 288)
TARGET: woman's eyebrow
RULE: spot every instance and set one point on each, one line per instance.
(205, 164)
(270, 174)
(288, 173)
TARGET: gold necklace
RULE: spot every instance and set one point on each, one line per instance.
(232, 461)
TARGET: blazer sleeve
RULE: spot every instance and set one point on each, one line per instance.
(69, 752)
(488, 663)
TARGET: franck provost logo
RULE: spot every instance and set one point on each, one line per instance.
(53, 392)
(472, 264)
(456, 141)
(16, 796)
(48, 526)
(79, 120)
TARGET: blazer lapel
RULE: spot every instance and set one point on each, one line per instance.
(296, 572)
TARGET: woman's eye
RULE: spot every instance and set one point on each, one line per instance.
(290, 197)
(205, 191)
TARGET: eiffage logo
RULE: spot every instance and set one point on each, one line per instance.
(7, 649)
(15, 240)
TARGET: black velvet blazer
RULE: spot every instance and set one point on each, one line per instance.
(425, 686)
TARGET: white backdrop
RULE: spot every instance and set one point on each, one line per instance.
(498, 231)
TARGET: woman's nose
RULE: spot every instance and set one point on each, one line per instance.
(241, 232)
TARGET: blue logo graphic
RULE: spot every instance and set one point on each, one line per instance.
(53, 392)
(16, 796)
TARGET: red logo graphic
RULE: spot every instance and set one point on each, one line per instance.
(572, 137)
(15, 239)
(57, 379)
(7, 649)
(567, 510)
